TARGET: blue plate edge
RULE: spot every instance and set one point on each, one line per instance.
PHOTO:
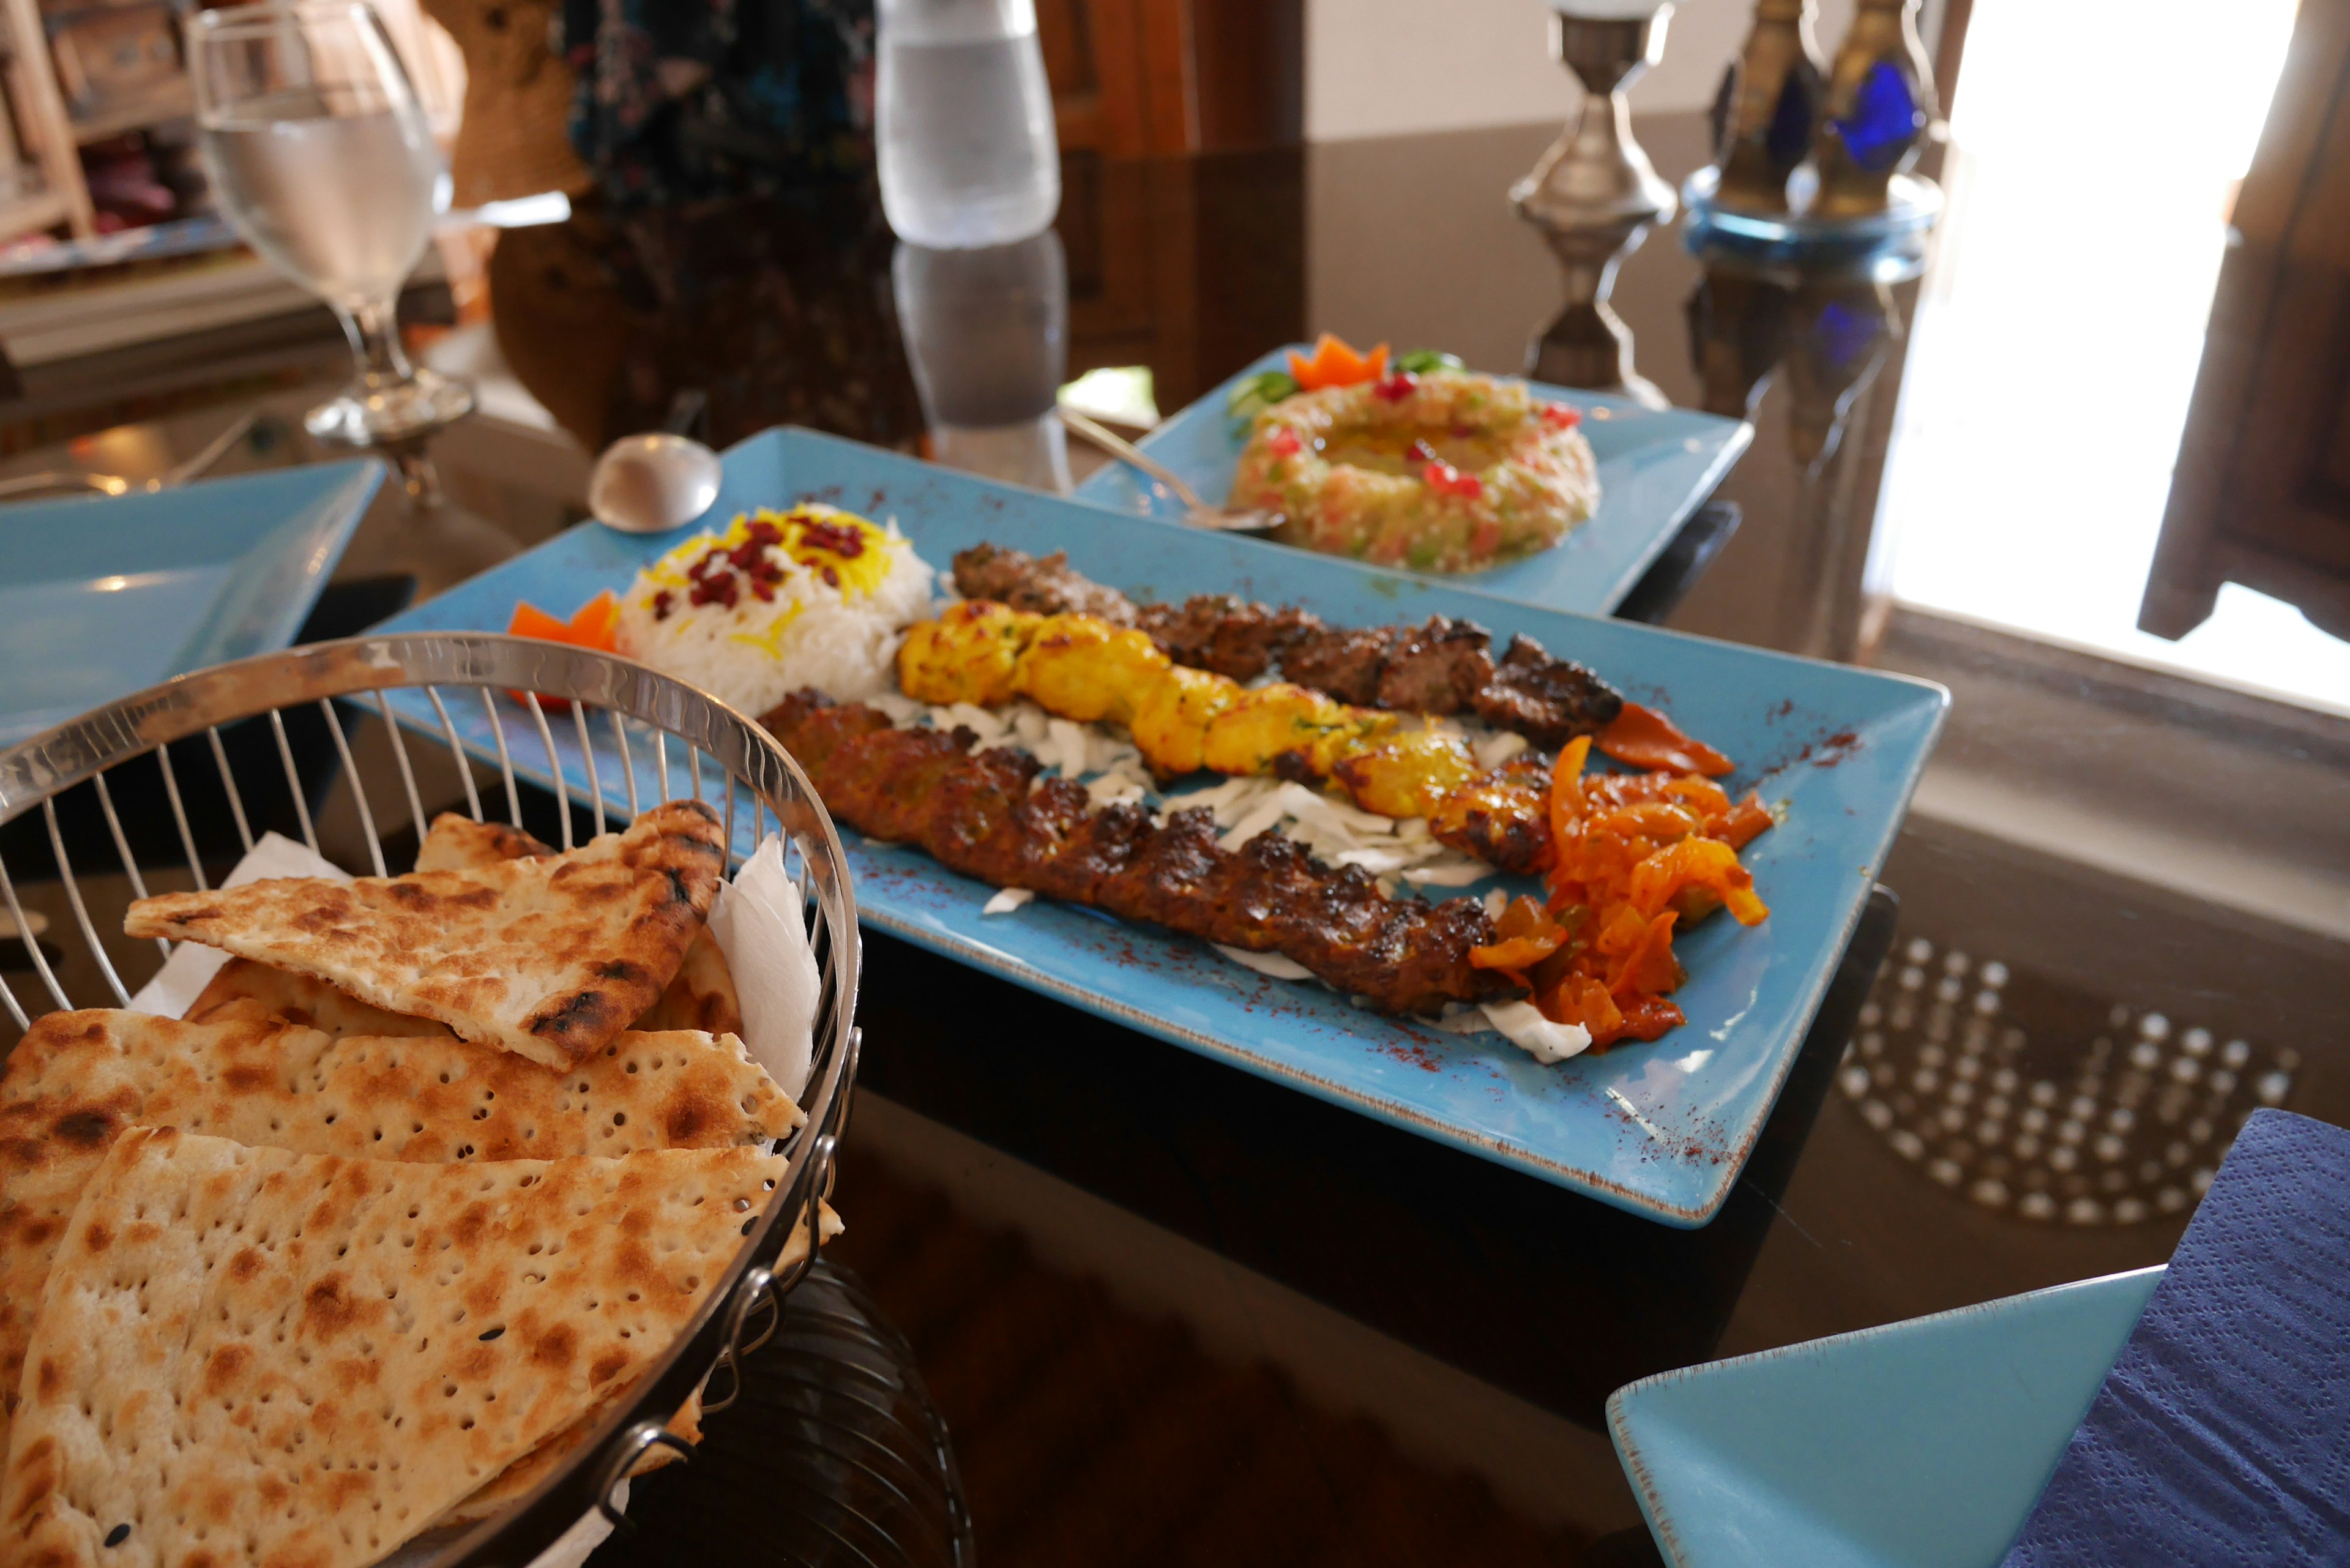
(1620, 1417)
(365, 478)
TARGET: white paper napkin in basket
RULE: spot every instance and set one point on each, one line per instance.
(191, 965)
(756, 923)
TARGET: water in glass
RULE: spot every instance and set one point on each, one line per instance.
(319, 153)
(341, 204)
(964, 123)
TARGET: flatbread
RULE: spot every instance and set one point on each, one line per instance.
(540, 1463)
(700, 996)
(548, 958)
(249, 1354)
(513, 1484)
(300, 999)
(77, 1079)
(457, 843)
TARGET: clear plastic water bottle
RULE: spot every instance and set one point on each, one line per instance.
(964, 123)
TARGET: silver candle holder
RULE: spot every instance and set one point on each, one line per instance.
(1595, 176)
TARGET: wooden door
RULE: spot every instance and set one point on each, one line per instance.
(2261, 494)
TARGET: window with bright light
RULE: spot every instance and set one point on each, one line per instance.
(2097, 146)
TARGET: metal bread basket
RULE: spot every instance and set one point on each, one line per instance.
(156, 790)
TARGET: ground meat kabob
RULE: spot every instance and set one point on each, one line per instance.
(986, 814)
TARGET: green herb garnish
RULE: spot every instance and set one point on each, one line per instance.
(1251, 397)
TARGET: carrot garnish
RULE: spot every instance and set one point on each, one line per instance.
(1334, 363)
(592, 626)
(595, 625)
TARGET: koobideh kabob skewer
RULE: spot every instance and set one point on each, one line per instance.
(986, 814)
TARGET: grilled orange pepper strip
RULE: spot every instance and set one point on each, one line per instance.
(1646, 739)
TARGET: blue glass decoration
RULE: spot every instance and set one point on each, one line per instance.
(1846, 334)
(1790, 136)
(1885, 121)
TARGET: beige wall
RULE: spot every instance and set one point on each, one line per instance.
(1382, 68)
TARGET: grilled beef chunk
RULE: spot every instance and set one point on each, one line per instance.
(1548, 701)
(1226, 634)
(1042, 585)
(1439, 668)
(1347, 664)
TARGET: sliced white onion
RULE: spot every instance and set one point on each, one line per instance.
(1497, 748)
(1270, 965)
(1455, 870)
(1526, 1028)
(1262, 819)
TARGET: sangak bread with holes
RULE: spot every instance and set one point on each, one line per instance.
(77, 1079)
(251, 1355)
(539, 1463)
(548, 958)
(701, 995)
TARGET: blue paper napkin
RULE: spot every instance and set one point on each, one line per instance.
(2222, 1434)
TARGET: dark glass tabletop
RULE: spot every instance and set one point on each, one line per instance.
(1172, 1312)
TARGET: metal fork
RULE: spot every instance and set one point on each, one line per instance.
(1197, 513)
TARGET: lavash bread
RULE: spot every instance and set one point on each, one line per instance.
(701, 994)
(249, 1354)
(78, 1079)
(241, 984)
(457, 843)
(549, 957)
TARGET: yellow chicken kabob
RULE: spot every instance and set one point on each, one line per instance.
(1181, 720)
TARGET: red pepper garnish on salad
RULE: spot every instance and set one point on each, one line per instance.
(1446, 479)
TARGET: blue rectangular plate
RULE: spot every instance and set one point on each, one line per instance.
(1655, 466)
(99, 597)
(1843, 747)
(1922, 1444)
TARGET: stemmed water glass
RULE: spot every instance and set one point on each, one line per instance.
(321, 156)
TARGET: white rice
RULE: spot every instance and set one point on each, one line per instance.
(841, 638)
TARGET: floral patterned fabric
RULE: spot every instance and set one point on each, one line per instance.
(681, 99)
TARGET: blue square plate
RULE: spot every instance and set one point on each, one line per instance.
(1659, 1129)
(1655, 466)
(1922, 1444)
(105, 596)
